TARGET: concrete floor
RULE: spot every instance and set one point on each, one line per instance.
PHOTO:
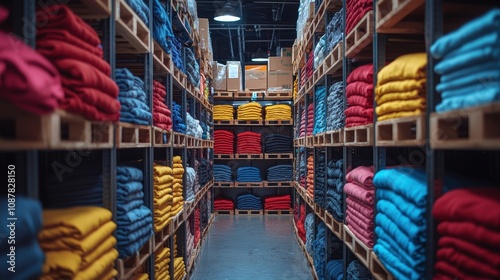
(251, 248)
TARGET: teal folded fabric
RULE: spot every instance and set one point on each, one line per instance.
(398, 269)
(413, 249)
(464, 73)
(467, 33)
(479, 97)
(415, 214)
(410, 183)
(491, 39)
(489, 78)
(473, 57)
(385, 240)
(416, 233)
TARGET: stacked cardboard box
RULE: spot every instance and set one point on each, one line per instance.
(279, 75)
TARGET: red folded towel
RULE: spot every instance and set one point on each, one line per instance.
(362, 73)
(61, 17)
(66, 36)
(73, 103)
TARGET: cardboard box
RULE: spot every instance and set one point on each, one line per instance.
(279, 80)
(286, 52)
(255, 77)
(203, 28)
(276, 63)
(219, 74)
(233, 76)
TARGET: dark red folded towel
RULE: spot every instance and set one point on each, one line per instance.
(73, 103)
(362, 73)
(56, 49)
(66, 36)
(61, 17)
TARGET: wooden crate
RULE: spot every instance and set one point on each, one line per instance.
(358, 135)
(360, 37)
(391, 16)
(279, 122)
(224, 156)
(285, 94)
(224, 212)
(334, 138)
(247, 95)
(249, 212)
(281, 184)
(326, 6)
(377, 268)
(224, 122)
(279, 212)
(248, 122)
(20, 130)
(249, 156)
(318, 74)
(223, 94)
(162, 62)
(179, 78)
(91, 9)
(127, 267)
(309, 142)
(132, 35)
(470, 128)
(361, 251)
(319, 140)
(248, 184)
(320, 211)
(179, 140)
(130, 135)
(334, 225)
(162, 138)
(333, 61)
(408, 131)
(279, 156)
(224, 184)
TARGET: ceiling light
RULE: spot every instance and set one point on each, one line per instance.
(260, 56)
(227, 13)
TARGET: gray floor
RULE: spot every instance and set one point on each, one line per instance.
(253, 248)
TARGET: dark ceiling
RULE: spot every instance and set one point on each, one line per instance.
(264, 24)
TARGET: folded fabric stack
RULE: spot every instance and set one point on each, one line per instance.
(335, 188)
(309, 66)
(355, 11)
(197, 178)
(295, 87)
(335, 107)
(140, 9)
(192, 68)
(162, 199)
(320, 178)
(299, 215)
(302, 167)
(249, 143)
(38, 90)
(320, 110)
(310, 119)
(248, 202)
(162, 28)
(179, 268)
(277, 143)
(162, 264)
(400, 222)
(360, 203)
(190, 183)
(193, 127)
(319, 250)
(197, 225)
(81, 188)
(335, 270)
(278, 202)
(251, 111)
(204, 210)
(469, 64)
(248, 174)
(162, 117)
(134, 219)
(359, 92)
(189, 239)
(400, 90)
(469, 229)
(303, 76)
(205, 134)
(283, 172)
(78, 243)
(223, 142)
(320, 51)
(29, 257)
(178, 172)
(310, 176)
(278, 112)
(223, 112)
(309, 225)
(205, 171)
(334, 31)
(223, 204)
(222, 173)
(179, 125)
(73, 47)
(356, 270)
(303, 124)
(132, 98)
(176, 52)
